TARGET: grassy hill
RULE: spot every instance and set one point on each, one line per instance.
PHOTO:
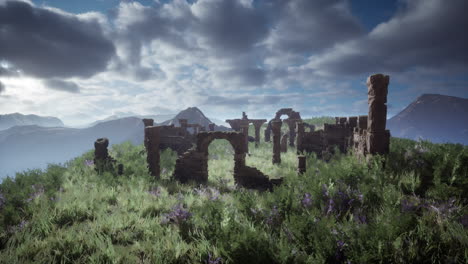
(408, 207)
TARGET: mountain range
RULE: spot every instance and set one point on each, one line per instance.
(17, 119)
(33, 146)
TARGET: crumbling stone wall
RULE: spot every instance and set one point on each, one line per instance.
(193, 165)
(152, 139)
(235, 124)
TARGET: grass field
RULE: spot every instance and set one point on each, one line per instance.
(407, 207)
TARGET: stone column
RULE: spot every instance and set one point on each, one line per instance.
(362, 122)
(300, 136)
(148, 122)
(292, 131)
(244, 125)
(184, 124)
(377, 90)
(101, 154)
(301, 166)
(284, 143)
(257, 124)
(211, 127)
(152, 139)
(276, 129)
(352, 120)
(268, 132)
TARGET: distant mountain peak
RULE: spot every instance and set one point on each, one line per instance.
(436, 117)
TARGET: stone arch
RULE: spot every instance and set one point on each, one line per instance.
(293, 118)
(235, 139)
(193, 165)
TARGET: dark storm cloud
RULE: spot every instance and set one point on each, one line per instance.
(311, 26)
(61, 85)
(229, 25)
(425, 34)
(48, 44)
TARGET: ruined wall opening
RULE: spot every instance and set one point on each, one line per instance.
(221, 162)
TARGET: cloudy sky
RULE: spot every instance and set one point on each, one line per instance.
(88, 59)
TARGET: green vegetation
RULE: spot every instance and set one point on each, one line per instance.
(408, 207)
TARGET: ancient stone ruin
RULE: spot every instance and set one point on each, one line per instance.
(239, 125)
(276, 128)
(151, 142)
(301, 164)
(363, 134)
(193, 165)
(293, 118)
(284, 143)
(378, 139)
(102, 160)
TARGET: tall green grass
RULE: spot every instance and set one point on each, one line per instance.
(407, 207)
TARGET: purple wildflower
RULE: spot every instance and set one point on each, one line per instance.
(410, 205)
(330, 206)
(217, 260)
(339, 253)
(38, 191)
(274, 219)
(306, 200)
(177, 215)
(464, 220)
(89, 163)
(156, 191)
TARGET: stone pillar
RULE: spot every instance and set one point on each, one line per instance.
(211, 127)
(152, 139)
(362, 122)
(276, 129)
(352, 121)
(300, 136)
(101, 154)
(257, 125)
(292, 131)
(301, 166)
(244, 125)
(268, 132)
(184, 124)
(284, 143)
(148, 122)
(343, 120)
(377, 137)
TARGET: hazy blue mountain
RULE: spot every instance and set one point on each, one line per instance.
(17, 119)
(27, 147)
(435, 117)
(157, 118)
